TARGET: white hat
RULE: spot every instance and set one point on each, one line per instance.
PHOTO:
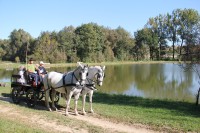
(41, 62)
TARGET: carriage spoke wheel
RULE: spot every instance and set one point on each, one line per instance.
(31, 98)
(15, 95)
(56, 98)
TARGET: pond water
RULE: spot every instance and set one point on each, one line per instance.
(160, 81)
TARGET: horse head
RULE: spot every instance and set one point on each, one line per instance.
(97, 73)
(100, 76)
(81, 72)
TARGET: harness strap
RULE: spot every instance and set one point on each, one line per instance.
(91, 86)
(64, 79)
(91, 80)
(73, 75)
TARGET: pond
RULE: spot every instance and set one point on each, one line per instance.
(160, 81)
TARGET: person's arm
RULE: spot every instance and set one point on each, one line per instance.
(44, 71)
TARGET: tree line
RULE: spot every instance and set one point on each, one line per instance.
(162, 37)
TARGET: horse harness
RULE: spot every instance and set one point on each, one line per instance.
(64, 83)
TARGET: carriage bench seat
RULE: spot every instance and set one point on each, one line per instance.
(16, 76)
(15, 83)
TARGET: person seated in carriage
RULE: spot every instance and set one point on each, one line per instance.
(41, 70)
(31, 68)
(21, 73)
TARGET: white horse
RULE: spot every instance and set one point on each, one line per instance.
(69, 84)
(95, 74)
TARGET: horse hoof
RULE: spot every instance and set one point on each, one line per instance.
(66, 114)
(55, 108)
(92, 111)
(76, 114)
(84, 113)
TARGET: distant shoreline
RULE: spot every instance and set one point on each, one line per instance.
(11, 65)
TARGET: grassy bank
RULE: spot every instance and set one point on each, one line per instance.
(161, 115)
(11, 65)
(158, 114)
(18, 125)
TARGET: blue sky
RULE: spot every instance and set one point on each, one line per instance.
(35, 16)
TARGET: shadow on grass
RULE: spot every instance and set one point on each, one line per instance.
(40, 105)
(181, 108)
(184, 108)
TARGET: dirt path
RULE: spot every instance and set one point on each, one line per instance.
(113, 127)
(53, 124)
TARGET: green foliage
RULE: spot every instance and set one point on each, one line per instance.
(17, 59)
(93, 43)
(67, 43)
(46, 49)
(90, 40)
(19, 39)
(108, 54)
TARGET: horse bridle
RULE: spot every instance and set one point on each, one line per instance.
(73, 75)
(98, 77)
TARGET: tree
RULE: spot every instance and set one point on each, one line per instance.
(141, 48)
(151, 39)
(188, 30)
(111, 37)
(67, 43)
(192, 62)
(3, 45)
(47, 48)
(173, 23)
(124, 44)
(19, 39)
(161, 21)
(90, 41)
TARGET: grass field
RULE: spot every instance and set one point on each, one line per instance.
(160, 115)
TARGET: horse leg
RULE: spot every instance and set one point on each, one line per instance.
(53, 97)
(75, 103)
(68, 98)
(83, 101)
(47, 100)
(90, 100)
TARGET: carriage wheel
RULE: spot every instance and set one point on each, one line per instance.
(31, 98)
(56, 98)
(15, 95)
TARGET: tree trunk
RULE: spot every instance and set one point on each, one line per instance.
(159, 51)
(173, 49)
(180, 51)
(197, 101)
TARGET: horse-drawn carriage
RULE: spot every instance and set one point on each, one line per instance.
(82, 79)
(28, 90)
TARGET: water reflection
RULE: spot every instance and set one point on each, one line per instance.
(5, 75)
(163, 81)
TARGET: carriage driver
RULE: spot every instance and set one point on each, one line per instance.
(32, 71)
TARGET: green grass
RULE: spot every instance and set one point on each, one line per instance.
(14, 126)
(21, 126)
(161, 115)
